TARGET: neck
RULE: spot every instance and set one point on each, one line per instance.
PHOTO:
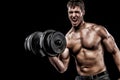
(79, 26)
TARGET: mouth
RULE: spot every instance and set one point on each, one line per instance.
(74, 19)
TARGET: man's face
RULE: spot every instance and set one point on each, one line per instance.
(75, 15)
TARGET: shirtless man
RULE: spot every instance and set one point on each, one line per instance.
(86, 42)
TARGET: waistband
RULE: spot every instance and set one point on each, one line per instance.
(95, 76)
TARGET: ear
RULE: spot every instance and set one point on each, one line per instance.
(83, 12)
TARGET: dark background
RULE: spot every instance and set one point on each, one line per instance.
(26, 17)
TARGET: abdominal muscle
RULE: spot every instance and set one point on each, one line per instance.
(90, 62)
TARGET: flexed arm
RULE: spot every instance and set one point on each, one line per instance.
(61, 61)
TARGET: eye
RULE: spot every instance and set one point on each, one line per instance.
(77, 12)
(70, 12)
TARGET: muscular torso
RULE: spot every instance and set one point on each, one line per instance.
(86, 47)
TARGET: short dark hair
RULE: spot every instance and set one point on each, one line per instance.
(73, 3)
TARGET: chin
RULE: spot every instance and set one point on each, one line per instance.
(75, 25)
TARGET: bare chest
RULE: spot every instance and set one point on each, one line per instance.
(88, 39)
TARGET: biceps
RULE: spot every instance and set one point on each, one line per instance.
(110, 44)
(65, 55)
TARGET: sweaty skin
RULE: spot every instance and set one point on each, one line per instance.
(86, 47)
(86, 42)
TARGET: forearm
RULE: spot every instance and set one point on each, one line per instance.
(61, 61)
(58, 64)
(116, 57)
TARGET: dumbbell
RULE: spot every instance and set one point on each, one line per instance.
(47, 43)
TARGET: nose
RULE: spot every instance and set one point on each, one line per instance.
(73, 14)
